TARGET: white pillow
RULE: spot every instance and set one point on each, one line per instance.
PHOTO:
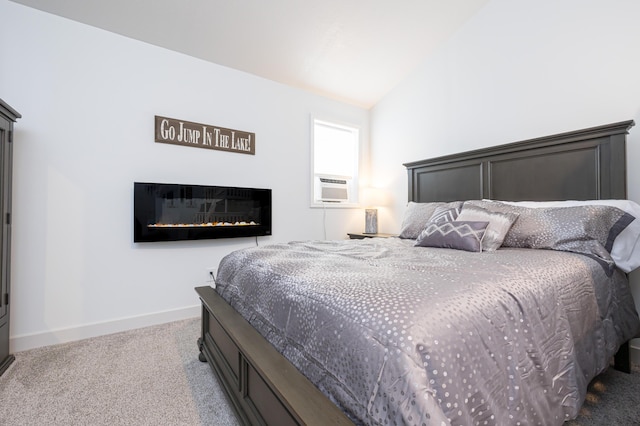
(626, 248)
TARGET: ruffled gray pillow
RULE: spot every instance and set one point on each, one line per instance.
(589, 230)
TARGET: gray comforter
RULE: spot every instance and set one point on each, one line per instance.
(396, 334)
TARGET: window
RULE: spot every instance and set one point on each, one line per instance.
(335, 152)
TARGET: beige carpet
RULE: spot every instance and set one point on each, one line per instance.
(152, 376)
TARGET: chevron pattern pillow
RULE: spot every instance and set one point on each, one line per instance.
(459, 235)
(447, 213)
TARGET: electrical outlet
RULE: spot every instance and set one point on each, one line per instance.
(211, 274)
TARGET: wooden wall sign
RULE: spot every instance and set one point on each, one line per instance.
(186, 133)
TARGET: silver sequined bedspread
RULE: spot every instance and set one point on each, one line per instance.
(396, 334)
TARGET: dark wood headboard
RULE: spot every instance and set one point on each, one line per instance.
(580, 165)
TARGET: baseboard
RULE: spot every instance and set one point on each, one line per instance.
(54, 337)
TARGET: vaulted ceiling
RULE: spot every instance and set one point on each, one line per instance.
(352, 50)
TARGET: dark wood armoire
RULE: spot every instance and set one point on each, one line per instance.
(7, 117)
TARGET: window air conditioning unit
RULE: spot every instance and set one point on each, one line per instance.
(332, 188)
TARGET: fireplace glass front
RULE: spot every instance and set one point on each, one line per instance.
(172, 212)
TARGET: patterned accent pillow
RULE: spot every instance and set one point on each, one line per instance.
(417, 215)
(446, 213)
(455, 235)
(499, 224)
(589, 230)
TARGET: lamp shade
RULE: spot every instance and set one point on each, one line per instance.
(375, 197)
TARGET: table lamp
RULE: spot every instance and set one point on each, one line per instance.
(372, 198)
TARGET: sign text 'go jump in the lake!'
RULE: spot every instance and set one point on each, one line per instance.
(180, 132)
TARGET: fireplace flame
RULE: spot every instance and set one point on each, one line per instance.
(200, 225)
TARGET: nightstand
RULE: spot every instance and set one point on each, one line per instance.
(362, 235)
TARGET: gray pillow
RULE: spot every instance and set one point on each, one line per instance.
(589, 230)
(499, 224)
(455, 235)
(417, 215)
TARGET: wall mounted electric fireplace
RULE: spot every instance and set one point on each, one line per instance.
(172, 212)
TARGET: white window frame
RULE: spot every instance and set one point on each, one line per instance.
(354, 178)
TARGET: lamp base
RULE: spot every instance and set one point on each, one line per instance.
(371, 221)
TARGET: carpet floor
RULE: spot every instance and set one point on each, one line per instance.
(152, 376)
(149, 376)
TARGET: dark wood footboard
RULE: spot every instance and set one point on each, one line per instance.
(263, 386)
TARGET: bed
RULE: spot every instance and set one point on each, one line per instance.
(386, 342)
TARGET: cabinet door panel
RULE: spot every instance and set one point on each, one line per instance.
(5, 206)
(7, 117)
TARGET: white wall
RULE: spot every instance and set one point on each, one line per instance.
(88, 99)
(517, 70)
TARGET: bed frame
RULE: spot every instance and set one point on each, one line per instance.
(265, 388)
